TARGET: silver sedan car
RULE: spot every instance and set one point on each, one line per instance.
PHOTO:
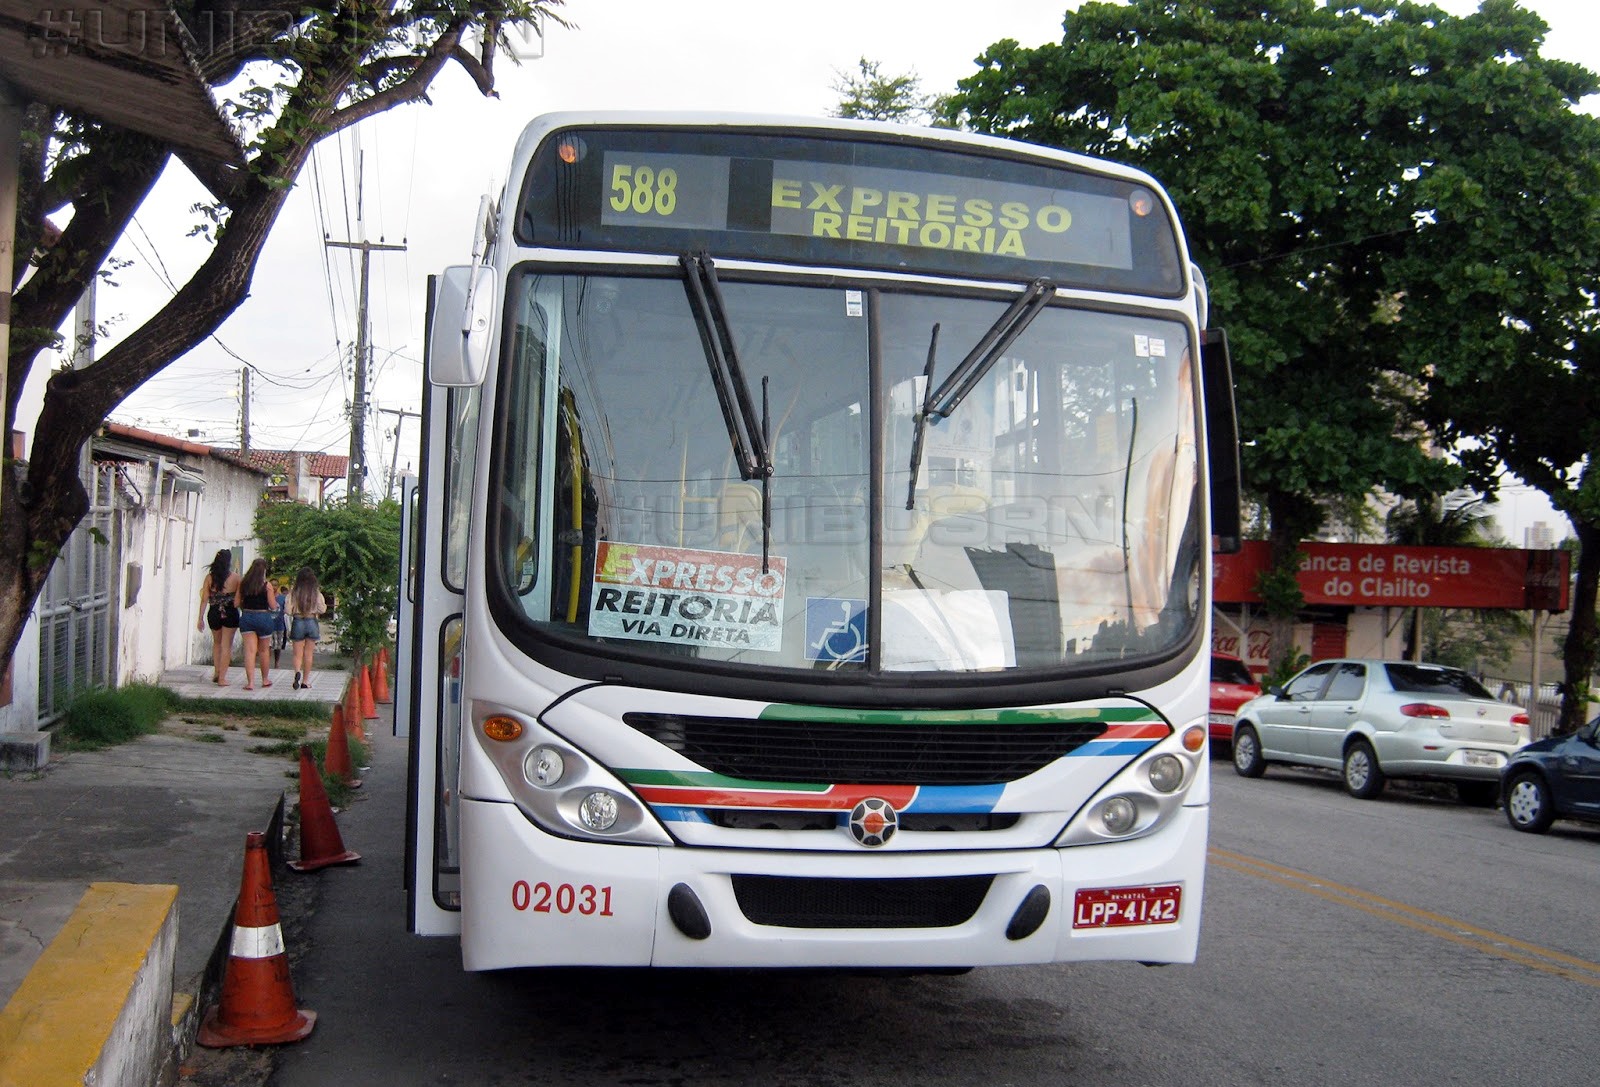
(1378, 719)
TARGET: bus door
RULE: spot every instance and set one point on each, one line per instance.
(431, 636)
(404, 637)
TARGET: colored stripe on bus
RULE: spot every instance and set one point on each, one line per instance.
(831, 798)
(954, 799)
(1111, 715)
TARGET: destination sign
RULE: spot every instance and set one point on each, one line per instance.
(878, 206)
(858, 203)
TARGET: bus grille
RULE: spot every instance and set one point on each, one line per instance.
(799, 902)
(830, 752)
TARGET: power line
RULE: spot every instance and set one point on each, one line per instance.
(357, 467)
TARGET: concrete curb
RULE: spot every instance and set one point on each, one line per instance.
(100, 1005)
(97, 1006)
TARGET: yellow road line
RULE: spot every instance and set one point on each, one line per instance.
(1497, 944)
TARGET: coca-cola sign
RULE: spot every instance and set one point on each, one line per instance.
(1256, 643)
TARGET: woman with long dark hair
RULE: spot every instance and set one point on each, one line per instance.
(218, 611)
(256, 597)
(306, 605)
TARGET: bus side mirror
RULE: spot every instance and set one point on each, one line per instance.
(1222, 443)
(458, 330)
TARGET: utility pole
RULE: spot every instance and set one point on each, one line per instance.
(394, 457)
(358, 402)
(244, 410)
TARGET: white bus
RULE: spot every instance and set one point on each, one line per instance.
(810, 565)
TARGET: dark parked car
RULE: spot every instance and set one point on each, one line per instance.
(1555, 778)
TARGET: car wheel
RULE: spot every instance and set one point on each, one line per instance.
(1478, 794)
(1363, 778)
(1528, 804)
(1247, 753)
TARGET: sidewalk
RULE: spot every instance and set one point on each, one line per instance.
(169, 808)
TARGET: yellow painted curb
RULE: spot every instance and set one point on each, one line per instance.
(55, 1028)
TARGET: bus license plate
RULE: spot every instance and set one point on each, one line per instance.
(1114, 907)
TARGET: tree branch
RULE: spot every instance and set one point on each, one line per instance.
(412, 88)
(45, 300)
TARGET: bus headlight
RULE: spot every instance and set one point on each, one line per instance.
(1118, 815)
(558, 787)
(544, 766)
(598, 811)
(1166, 773)
(1143, 796)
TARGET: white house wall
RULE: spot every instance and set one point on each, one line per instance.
(22, 715)
(167, 532)
(226, 519)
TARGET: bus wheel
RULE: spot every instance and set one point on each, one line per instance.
(1247, 758)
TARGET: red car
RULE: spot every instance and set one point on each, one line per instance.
(1232, 686)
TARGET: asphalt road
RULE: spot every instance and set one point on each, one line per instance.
(1408, 940)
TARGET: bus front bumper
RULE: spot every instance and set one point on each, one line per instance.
(532, 899)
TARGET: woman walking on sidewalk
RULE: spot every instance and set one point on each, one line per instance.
(218, 611)
(256, 597)
(306, 604)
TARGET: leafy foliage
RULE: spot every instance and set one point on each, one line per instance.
(1397, 211)
(1284, 668)
(1300, 143)
(1471, 638)
(101, 717)
(354, 548)
(290, 73)
(870, 95)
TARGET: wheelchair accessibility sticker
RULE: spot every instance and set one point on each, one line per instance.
(836, 629)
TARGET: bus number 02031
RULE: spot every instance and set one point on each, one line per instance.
(643, 190)
(541, 897)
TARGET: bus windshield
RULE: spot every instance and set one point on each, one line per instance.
(1048, 520)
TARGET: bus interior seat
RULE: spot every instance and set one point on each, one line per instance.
(938, 502)
(738, 516)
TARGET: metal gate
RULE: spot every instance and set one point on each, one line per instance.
(75, 609)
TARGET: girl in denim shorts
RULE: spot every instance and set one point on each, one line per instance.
(256, 597)
(306, 605)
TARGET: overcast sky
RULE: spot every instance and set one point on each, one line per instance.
(424, 167)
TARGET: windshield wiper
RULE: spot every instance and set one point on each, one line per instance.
(922, 419)
(748, 433)
(937, 405)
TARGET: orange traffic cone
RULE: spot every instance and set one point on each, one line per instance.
(320, 842)
(380, 678)
(257, 1006)
(369, 708)
(352, 708)
(337, 761)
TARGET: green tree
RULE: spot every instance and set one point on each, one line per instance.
(1534, 406)
(291, 72)
(1327, 160)
(354, 549)
(1464, 637)
(869, 95)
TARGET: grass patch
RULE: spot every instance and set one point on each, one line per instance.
(209, 738)
(245, 708)
(339, 793)
(102, 716)
(279, 730)
(284, 747)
